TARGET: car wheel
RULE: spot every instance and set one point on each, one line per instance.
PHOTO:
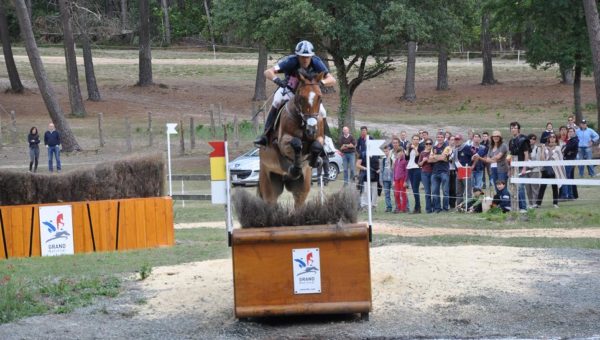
(333, 171)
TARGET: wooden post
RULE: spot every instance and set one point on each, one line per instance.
(128, 132)
(150, 141)
(213, 131)
(225, 129)
(181, 138)
(236, 131)
(13, 128)
(254, 118)
(0, 131)
(514, 190)
(192, 133)
(100, 131)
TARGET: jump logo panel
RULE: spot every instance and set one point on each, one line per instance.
(307, 270)
(56, 230)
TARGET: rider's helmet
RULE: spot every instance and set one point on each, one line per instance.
(305, 49)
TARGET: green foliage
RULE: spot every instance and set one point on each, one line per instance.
(145, 271)
(189, 22)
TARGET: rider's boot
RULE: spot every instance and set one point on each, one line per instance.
(262, 139)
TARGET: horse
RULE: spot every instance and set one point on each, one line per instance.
(295, 147)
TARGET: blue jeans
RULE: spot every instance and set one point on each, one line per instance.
(566, 191)
(585, 152)
(439, 181)
(426, 180)
(414, 176)
(349, 164)
(387, 190)
(478, 179)
(54, 150)
(496, 176)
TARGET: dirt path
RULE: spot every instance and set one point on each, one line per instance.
(465, 291)
(410, 231)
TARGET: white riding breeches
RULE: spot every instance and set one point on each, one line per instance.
(282, 95)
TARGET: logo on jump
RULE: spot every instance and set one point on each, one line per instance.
(55, 226)
(306, 264)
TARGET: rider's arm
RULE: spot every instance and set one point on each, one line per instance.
(270, 73)
(328, 80)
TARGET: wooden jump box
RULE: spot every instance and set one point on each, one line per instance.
(109, 225)
(266, 281)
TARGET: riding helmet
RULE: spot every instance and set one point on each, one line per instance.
(305, 49)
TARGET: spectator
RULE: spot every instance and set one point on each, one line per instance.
(571, 122)
(532, 190)
(400, 176)
(485, 141)
(447, 136)
(361, 144)
(440, 178)
(328, 150)
(52, 142)
(496, 157)
(414, 172)
(479, 151)
(403, 141)
(551, 152)
(387, 177)
(474, 204)
(562, 135)
(452, 173)
(361, 165)
(587, 138)
(426, 171)
(502, 197)
(569, 192)
(348, 149)
(424, 135)
(547, 132)
(519, 149)
(463, 156)
(34, 148)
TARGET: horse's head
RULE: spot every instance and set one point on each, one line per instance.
(308, 101)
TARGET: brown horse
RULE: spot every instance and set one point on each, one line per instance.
(295, 146)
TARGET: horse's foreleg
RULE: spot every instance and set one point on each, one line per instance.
(295, 170)
(316, 149)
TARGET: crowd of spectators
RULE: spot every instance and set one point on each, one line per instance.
(448, 169)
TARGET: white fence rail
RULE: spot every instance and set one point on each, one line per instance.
(516, 179)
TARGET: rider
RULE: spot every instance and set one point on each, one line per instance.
(305, 58)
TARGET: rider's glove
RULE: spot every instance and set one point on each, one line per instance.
(280, 82)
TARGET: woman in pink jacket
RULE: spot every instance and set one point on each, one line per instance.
(400, 175)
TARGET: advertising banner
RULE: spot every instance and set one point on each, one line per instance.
(307, 270)
(56, 230)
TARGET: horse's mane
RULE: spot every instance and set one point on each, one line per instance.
(306, 74)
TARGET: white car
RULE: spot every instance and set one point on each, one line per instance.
(244, 169)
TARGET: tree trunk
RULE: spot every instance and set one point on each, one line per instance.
(123, 15)
(90, 76)
(345, 116)
(442, 74)
(69, 143)
(411, 63)
(593, 25)
(167, 25)
(260, 92)
(77, 107)
(566, 75)
(577, 93)
(13, 75)
(145, 67)
(486, 51)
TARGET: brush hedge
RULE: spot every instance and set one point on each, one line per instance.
(141, 176)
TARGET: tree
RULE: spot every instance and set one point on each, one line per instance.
(486, 50)
(13, 75)
(145, 63)
(260, 92)
(411, 64)
(166, 23)
(593, 26)
(77, 107)
(69, 143)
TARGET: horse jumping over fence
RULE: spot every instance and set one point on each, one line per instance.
(295, 146)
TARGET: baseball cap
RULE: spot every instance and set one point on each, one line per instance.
(458, 136)
(584, 121)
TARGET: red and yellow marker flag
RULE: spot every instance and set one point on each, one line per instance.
(218, 173)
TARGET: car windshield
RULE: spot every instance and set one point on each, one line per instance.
(251, 153)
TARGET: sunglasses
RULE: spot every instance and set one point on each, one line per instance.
(428, 143)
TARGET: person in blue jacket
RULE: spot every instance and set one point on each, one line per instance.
(52, 142)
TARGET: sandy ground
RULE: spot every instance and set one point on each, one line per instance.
(465, 291)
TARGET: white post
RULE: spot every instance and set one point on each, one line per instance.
(368, 185)
(182, 192)
(228, 190)
(170, 131)
(467, 57)
(518, 56)
(466, 190)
